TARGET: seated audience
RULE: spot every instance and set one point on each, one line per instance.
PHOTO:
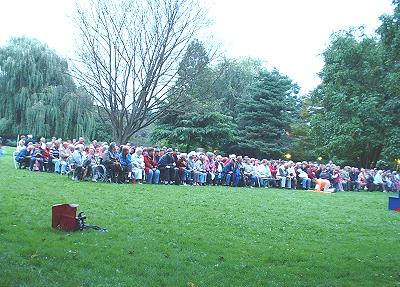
(150, 167)
(138, 165)
(166, 165)
(112, 164)
(125, 159)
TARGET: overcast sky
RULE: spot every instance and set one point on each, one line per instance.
(287, 34)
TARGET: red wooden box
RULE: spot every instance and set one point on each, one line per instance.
(64, 217)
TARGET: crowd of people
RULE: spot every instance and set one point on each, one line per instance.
(128, 163)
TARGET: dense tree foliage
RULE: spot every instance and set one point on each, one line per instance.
(37, 94)
(198, 120)
(389, 33)
(233, 106)
(353, 114)
(265, 116)
(348, 121)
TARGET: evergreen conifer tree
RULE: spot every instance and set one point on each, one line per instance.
(265, 116)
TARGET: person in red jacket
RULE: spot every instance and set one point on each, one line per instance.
(150, 167)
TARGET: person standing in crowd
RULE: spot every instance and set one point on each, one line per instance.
(191, 167)
(337, 179)
(291, 180)
(199, 169)
(362, 180)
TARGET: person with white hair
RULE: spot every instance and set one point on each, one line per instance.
(282, 174)
(20, 146)
(138, 165)
(305, 180)
(24, 156)
(66, 151)
(191, 163)
(378, 181)
(77, 159)
(200, 171)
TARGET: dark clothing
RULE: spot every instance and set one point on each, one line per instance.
(29, 141)
(166, 160)
(55, 152)
(228, 167)
(325, 175)
(37, 158)
(113, 166)
(23, 158)
(149, 163)
(353, 175)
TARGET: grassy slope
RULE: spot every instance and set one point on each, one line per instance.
(208, 236)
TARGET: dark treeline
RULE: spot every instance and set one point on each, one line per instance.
(232, 105)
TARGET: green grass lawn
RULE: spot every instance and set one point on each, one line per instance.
(193, 236)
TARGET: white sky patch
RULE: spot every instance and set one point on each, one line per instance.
(287, 34)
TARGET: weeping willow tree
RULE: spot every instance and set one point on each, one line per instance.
(37, 94)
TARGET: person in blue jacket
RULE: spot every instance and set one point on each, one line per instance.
(166, 165)
(125, 160)
(227, 170)
(24, 156)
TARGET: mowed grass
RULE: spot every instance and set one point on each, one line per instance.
(193, 236)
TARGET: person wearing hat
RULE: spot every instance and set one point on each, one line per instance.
(166, 165)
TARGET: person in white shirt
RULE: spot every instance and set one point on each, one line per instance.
(305, 181)
(291, 180)
(378, 180)
(138, 165)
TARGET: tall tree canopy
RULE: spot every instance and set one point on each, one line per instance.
(389, 33)
(349, 121)
(129, 55)
(198, 120)
(37, 94)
